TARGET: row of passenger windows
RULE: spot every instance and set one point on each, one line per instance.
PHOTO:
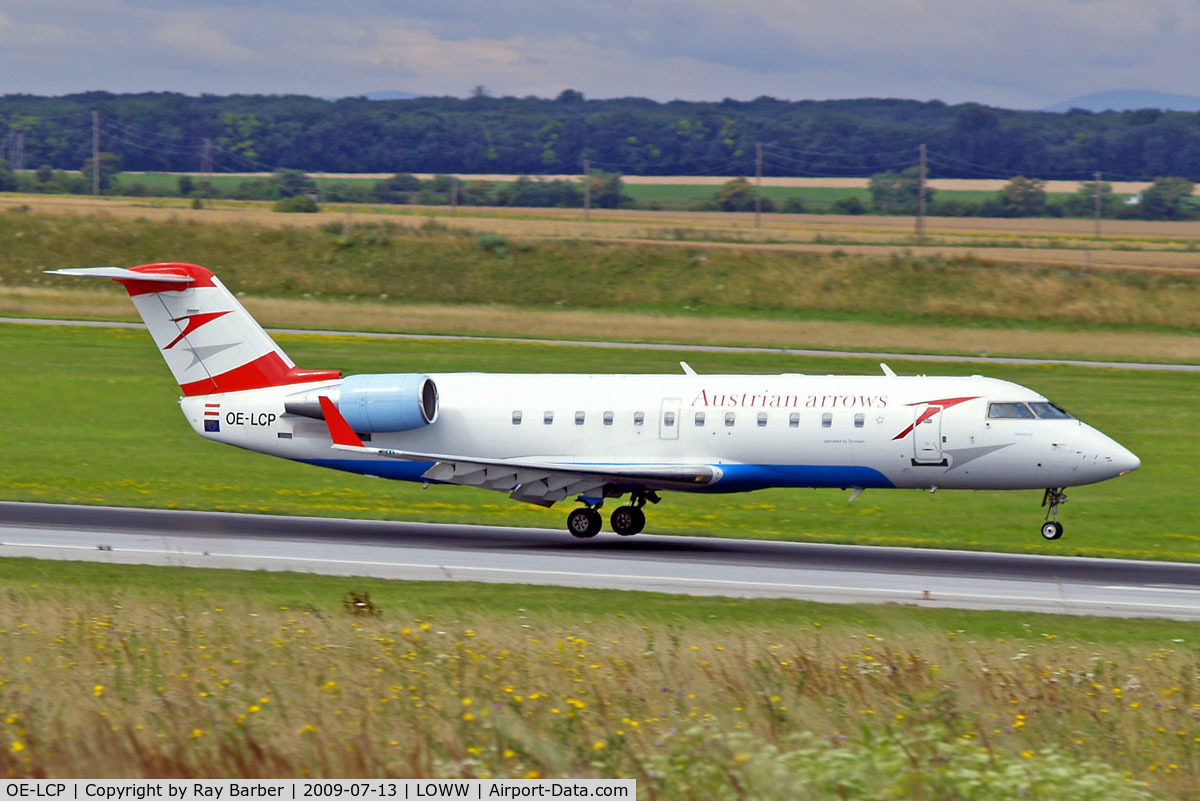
(699, 419)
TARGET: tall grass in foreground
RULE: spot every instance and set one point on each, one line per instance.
(188, 687)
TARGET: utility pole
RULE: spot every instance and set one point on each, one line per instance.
(206, 165)
(95, 153)
(587, 189)
(1096, 200)
(757, 184)
(920, 231)
(19, 156)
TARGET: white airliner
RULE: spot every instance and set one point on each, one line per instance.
(546, 438)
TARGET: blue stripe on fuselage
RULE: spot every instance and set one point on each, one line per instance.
(743, 477)
(398, 469)
(736, 478)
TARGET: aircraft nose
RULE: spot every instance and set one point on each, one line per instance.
(1125, 461)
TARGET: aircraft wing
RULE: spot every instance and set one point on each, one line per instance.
(546, 483)
(538, 482)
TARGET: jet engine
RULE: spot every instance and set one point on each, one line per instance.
(374, 402)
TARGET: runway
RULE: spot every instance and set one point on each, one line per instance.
(688, 565)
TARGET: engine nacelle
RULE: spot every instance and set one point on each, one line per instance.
(375, 402)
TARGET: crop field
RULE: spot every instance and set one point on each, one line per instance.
(130, 671)
(1150, 248)
(683, 291)
(89, 416)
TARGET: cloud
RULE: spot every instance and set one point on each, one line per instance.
(193, 37)
(1024, 53)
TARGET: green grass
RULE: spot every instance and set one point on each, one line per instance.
(39, 581)
(89, 416)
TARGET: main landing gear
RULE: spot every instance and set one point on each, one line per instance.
(628, 520)
(1052, 529)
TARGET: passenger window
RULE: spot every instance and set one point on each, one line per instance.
(827, 420)
(516, 418)
(669, 419)
(859, 419)
(639, 418)
(578, 418)
(762, 419)
(548, 418)
(608, 418)
(794, 419)
(699, 418)
(1048, 411)
(1018, 411)
(729, 417)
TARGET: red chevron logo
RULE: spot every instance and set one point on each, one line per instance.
(935, 406)
(194, 321)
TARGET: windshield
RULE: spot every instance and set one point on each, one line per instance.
(1017, 410)
(1048, 411)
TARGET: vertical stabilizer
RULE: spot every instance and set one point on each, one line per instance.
(210, 342)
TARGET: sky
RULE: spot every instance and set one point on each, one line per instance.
(1014, 54)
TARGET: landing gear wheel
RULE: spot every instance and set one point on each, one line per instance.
(1052, 529)
(584, 523)
(1052, 499)
(627, 520)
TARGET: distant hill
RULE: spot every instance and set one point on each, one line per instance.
(1128, 100)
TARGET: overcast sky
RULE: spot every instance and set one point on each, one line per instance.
(1015, 53)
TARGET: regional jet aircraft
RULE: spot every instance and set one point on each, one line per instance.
(546, 438)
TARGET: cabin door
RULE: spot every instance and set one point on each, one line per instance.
(927, 435)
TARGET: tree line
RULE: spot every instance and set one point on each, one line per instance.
(529, 136)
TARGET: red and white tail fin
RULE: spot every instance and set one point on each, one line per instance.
(210, 342)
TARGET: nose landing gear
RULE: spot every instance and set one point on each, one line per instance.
(1052, 529)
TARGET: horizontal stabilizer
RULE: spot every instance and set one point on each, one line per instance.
(122, 274)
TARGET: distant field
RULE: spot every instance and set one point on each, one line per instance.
(446, 275)
(667, 192)
(90, 416)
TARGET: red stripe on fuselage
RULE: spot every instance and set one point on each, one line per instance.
(268, 370)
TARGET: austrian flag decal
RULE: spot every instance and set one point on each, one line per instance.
(212, 417)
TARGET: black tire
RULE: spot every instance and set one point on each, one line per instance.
(627, 520)
(1052, 529)
(584, 523)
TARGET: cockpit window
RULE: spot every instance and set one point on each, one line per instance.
(1009, 411)
(1048, 411)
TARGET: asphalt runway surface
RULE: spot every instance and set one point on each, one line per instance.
(688, 565)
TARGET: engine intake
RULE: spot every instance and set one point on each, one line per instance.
(375, 402)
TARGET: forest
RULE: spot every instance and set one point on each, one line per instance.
(630, 136)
